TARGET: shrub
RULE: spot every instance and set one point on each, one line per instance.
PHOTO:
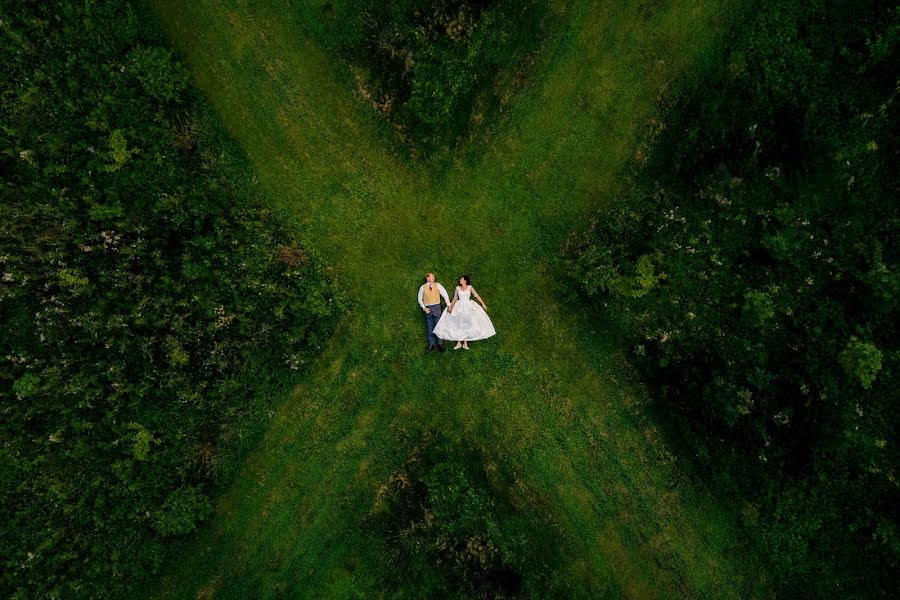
(161, 77)
(447, 526)
(861, 360)
(433, 68)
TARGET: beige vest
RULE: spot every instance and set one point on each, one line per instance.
(432, 297)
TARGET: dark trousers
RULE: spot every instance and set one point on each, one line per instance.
(431, 320)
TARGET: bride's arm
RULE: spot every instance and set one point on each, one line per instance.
(455, 297)
(474, 293)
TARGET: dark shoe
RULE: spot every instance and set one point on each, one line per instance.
(429, 348)
(441, 347)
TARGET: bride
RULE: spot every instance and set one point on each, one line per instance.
(464, 321)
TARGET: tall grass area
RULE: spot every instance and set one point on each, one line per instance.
(550, 415)
(752, 266)
(154, 303)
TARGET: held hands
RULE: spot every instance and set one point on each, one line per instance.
(427, 310)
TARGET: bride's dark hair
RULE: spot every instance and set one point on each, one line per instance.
(466, 277)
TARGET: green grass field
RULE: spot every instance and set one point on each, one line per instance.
(550, 397)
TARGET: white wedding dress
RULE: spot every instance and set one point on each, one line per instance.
(468, 321)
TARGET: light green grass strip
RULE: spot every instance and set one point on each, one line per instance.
(550, 397)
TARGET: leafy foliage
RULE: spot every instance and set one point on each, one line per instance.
(436, 70)
(769, 202)
(147, 291)
(447, 526)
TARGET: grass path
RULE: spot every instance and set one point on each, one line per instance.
(550, 397)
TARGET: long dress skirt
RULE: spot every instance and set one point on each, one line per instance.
(468, 321)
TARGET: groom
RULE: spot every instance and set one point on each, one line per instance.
(430, 295)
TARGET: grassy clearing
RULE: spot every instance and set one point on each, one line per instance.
(550, 397)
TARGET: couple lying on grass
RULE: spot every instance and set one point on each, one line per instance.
(463, 321)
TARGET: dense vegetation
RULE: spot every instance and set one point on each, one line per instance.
(449, 527)
(436, 70)
(754, 265)
(152, 301)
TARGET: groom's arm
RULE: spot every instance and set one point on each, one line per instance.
(421, 289)
(444, 294)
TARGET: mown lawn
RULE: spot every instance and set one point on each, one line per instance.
(550, 397)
